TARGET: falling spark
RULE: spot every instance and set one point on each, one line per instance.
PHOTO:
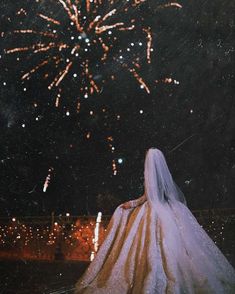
(172, 4)
(139, 79)
(57, 102)
(46, 34)
(168, 81)
(149, 43)
(27, 75)
(49, 19)
(48, 179)
(61, 76)
(110, 141)
(114, 167)
(21, 11)
(78, 106)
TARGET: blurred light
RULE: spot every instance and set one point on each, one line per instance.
(120, 160)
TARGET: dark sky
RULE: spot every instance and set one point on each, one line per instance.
(192, 120)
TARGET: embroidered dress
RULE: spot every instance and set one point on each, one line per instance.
(157, 246)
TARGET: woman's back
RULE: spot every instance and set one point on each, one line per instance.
(155, 245)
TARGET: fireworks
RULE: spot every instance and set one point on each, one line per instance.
(48, 179)
(110, 142)
(82, 38)
(168, 81)
(114, 166)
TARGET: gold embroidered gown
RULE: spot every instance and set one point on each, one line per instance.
(157, 246)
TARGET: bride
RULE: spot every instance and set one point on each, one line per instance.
(155, 245)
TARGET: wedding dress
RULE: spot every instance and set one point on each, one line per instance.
(157, 246)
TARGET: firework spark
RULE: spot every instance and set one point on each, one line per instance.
(168, 81)
(48, 179)
(86, 37)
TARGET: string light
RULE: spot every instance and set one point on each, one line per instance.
(85, 235)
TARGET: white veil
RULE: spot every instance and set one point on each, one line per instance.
(158, 247)
(159, 184)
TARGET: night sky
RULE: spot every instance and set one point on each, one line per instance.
(188, 114)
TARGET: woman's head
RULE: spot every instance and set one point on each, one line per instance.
(158, 180)
(154, 151)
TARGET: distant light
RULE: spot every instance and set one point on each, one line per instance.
(92, 255)
(176, 82)
(67, 113)
(55, 223)
(13, 219)
(67, 214)
(120, 160)
(141, 111)
(23, 125)
(191, 110)
(98, 219)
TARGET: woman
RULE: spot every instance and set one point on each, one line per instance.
(155, 245)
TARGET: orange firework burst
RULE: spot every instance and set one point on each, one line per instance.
(80, 36)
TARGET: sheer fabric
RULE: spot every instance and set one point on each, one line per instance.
(157, 246)
(159, 184)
